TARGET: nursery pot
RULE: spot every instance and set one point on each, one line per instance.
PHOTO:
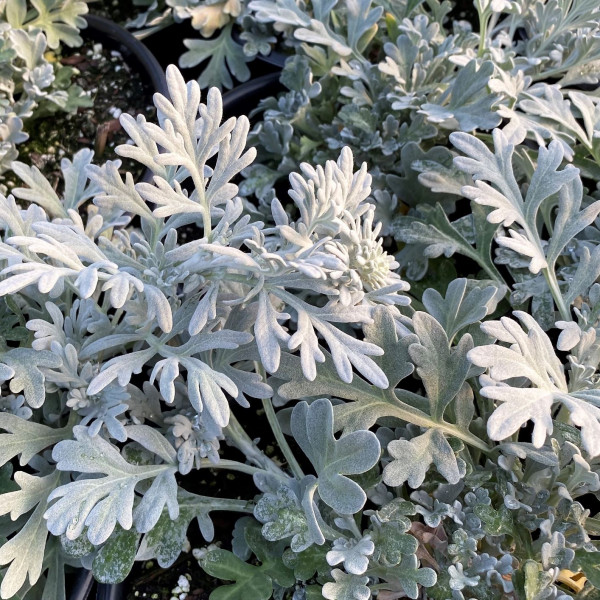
(84, 586)
(245, 98)
(137, 56)
(135, 53)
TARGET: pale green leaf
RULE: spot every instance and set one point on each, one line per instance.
(115, 559)
(412, 459)
(352, 454)
(443, 369)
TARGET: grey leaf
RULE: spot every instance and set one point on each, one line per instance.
(354, 453)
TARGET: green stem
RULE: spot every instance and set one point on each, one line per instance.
(320, 530)
(155, 233)
(483, 29)
(242, 441)
(206, 218)
(563, 309)
(283, 445)
(395, 407)
(482, 36)
(548, 271)
(448, 428)
(230, 465)
(490, 269)
(225, 504)
(413, 415)
(276, 428)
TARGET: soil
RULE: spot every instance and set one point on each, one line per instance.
(115, 89)
(148, 581)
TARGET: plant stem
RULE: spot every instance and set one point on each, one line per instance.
(490, 269)
(408, 413)
(198, 503)
(276, 428)
(396, 407)
(241, 440)
(549, 273)
(230, 465)
(279, 436)
(206, 217)
(413, 415)
(563, 309)
(483, 29)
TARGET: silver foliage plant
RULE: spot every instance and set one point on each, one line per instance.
(441, 449)
(112, 308)
(393, 80)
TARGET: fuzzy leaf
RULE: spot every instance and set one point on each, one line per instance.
(61, 25)
(362, 22)
(395, 362)
(410, 188)
(462, 306)
(27, 438)
(352, 454)
(283, 517)
(408, 576)
(166, 539)
(588, 271)
(308, 562)
(510, 206)
(495, 522)
(113, 562)
(346, 587)
(250, 581)
(392, 543)
(28, 376)
(224, 57)
(268, 554)
(440, 237)
(39, 190)
(590, 565)
(101, 502)
(531, 355)
(412, 459)
(466, 104)
(121, 368)
(442, 369)
(24, 552)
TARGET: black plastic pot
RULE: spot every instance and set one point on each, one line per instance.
(111, 592)
(245, 97)
(84, 587)
(134, 52)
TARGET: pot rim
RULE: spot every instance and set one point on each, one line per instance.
(240, 93)
(103, 30)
